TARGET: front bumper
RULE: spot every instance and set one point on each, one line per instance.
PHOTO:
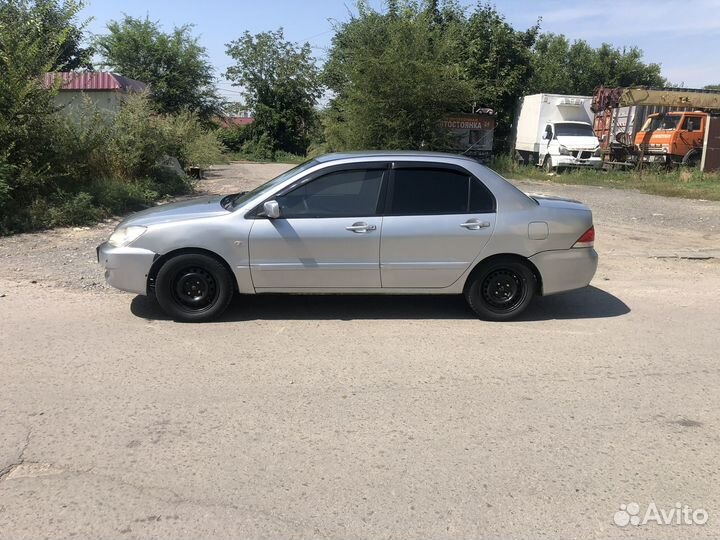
(126, 268)
(565, 269)
(570, 161)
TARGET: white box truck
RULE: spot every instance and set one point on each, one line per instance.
(555, 132)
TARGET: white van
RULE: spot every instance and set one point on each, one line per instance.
(555, 132)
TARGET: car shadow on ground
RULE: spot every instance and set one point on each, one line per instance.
(587, 303)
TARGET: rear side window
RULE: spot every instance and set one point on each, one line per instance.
(348, 193)
(481, 200)
(430, 191)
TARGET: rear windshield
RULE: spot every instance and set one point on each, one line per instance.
(661, 123)
(573, 130)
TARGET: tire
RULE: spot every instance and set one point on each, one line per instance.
(500, 289)
(193, 288)
(692, 159)
(547, 165)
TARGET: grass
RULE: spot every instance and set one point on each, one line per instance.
(690, 184)
(280, 157)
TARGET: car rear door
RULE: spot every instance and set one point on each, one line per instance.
(327, 235)
(437, 220)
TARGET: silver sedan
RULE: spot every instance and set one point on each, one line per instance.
(376, 223)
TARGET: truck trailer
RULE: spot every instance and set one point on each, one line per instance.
(555, 132)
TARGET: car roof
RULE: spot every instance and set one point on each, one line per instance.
(391, 154)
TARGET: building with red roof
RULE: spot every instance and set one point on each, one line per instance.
(105, 90)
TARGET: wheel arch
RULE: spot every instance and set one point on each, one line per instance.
(162, 259)
(693, 153)
(506, 256)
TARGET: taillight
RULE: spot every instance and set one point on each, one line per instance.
(587, 240)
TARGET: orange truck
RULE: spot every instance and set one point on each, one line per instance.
(672, 138)
(641, 125)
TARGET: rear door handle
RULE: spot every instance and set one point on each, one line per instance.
(361, 227)
(475, 224)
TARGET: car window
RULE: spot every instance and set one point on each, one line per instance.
(691, 123)
(481, 200)
(350, 193)
(418, 191)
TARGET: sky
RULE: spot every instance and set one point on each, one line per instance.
(684, 37)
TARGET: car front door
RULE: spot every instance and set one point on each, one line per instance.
(437, 221)
(327, 235)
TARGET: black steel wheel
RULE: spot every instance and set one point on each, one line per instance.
(500, 289)
(193, 287)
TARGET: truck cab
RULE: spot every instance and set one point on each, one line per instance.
(570, 144)
(672, 138)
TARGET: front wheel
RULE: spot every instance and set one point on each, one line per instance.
(193, 288)
(547, 165)
(500, 290)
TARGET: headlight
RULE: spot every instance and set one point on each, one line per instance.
(564, 151)
(597, 152)
(125, 235)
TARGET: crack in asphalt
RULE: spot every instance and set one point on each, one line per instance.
(5, 471)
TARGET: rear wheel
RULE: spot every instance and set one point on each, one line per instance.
(193, 288)
(501, 289)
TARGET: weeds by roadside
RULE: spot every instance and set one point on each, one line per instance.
(680, 182)
(279, 157)
(78, 166)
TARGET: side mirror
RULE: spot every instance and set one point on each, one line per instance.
(272, 209)
(548, 133)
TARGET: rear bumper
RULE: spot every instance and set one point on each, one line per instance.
(566, 269)
(126, 268)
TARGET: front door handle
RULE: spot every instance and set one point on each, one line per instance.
(475, 224)
(361, 227)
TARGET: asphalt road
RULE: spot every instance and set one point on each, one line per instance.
(366, 417)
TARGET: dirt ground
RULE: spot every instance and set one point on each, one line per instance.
(366, 417)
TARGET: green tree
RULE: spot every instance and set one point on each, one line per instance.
(712, 87)
(281, 85)
(30, 47)
(394, 75)
(577, 68)
(50, 18)
(174, 64)
(497, 60)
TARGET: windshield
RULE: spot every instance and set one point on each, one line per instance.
(573, 130)
(661, 123)
(240, 199)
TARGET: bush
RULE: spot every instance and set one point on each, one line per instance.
(234, 138)
(78, 166)
(262, 148)
(190, 142)
(72, 209)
